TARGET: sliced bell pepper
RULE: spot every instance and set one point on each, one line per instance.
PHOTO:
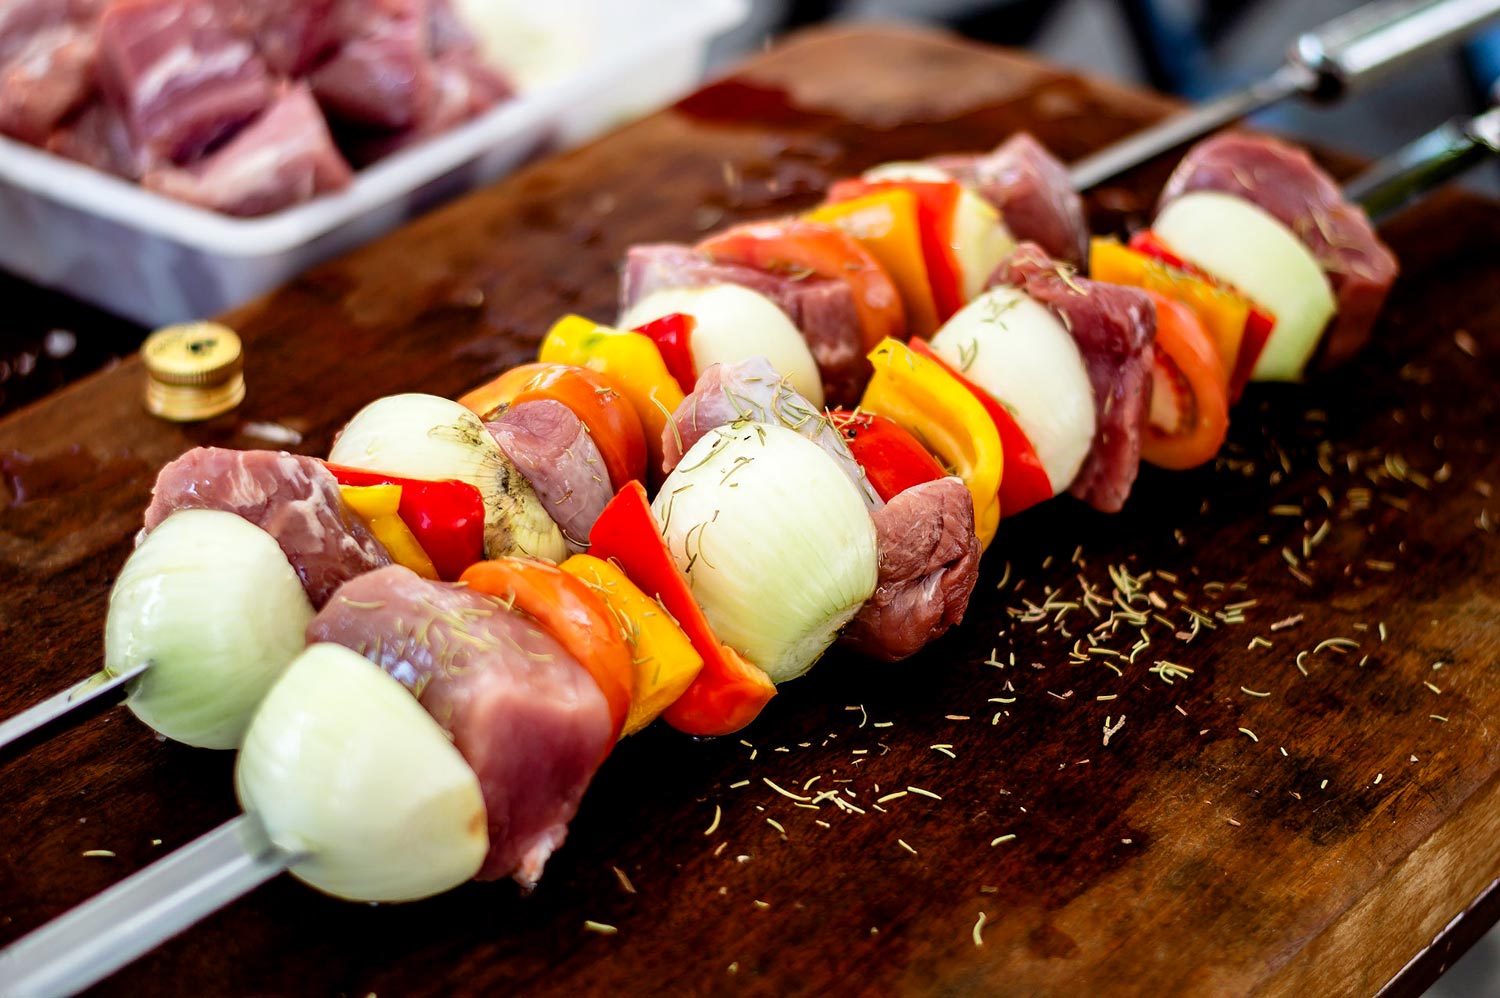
(591, 396)
(1259, 324)
(1025, 482)
(673, 335)
(571, 612)
(795, 246)
(1189, 415)
(730, 692)
(893, 460)
(928, 402)
(937, 201)
(885, 223)
(379, 507)
(632, 363)
(446, 518)
(1222, 313)
(665, 662)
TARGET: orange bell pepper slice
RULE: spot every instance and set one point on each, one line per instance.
(665, 663)
(1189, 415)
(730, 692)
(572, 613)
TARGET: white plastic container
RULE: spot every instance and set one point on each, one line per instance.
(583, 66)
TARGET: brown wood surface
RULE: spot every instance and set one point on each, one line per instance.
(1183, 857)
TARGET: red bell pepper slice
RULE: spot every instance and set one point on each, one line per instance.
(447, 518)
(1259, 324)
(729, 692)
(1024, 482)
(893, 459)
(671, 334)
(937, 201)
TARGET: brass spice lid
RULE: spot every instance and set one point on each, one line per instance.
(193, 371)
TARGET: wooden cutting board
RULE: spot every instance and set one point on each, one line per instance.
(1285, 816)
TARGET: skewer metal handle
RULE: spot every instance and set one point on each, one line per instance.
(1328, 62)
(1379, 38)
(103, 934)
(1435, 158)
(100, 687)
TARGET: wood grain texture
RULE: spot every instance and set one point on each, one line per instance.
(1185, 856)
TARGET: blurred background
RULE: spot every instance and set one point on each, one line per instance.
(1193, 48)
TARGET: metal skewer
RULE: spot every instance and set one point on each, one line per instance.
(1326, 63)
(1439, 156)
(93, 940)
(107, 932)
(101, 689)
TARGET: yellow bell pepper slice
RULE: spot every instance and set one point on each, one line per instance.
(1222, 312)
(885, 223)
(631, 361)
(938, 410)
(665, 662)
(377, 506)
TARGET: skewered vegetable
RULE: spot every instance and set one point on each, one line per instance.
(213, 605)
(780, 561)
(734, 323)
(920, 396)
(342, 765)
(728, 692)
(1266, 261)
(1020, 354)
(424, 436)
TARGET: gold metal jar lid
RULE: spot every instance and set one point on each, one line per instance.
(193, 371)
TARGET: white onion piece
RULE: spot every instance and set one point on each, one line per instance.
(214, 607)
(980, 238)
(424, 436)
(1245, 247)
(1018, 351)
(343, 764)
(734, 324)
(774, 539)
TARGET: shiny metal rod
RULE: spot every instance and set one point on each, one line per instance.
(1342, 55)
(1418, 167)
(101, 686)
(81, 948)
